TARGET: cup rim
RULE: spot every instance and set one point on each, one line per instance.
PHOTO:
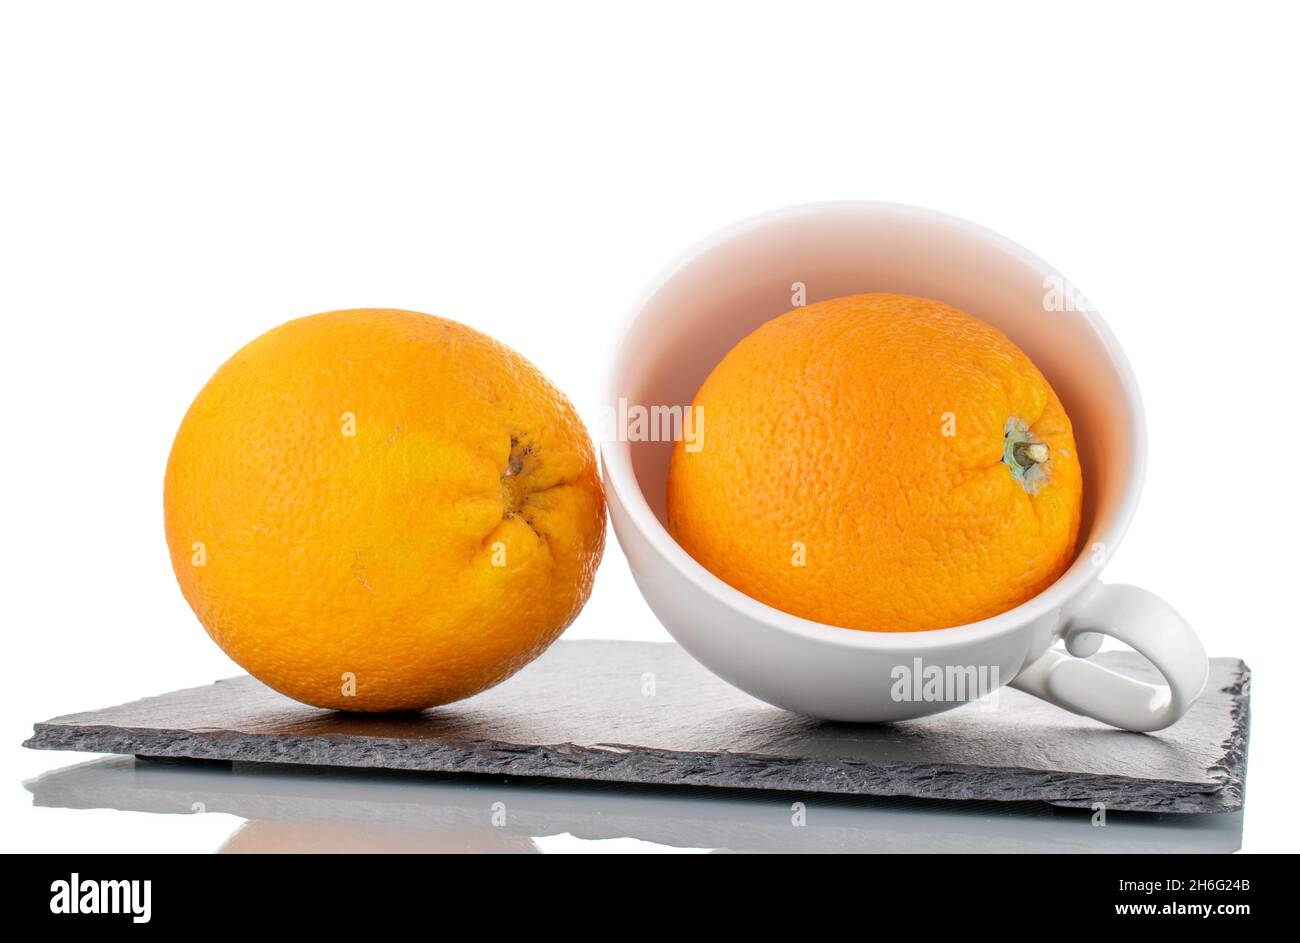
(620, 477)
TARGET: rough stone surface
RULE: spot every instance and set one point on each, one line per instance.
(583, 711)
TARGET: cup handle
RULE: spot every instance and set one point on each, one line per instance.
(1146, 623)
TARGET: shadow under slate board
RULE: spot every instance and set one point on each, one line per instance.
(646, 713)
(284, 807)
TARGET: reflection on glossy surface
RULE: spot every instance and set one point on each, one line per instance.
(348, 838)
(310, 809)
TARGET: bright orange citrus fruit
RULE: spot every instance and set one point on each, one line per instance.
(879, 462)
(381, 510)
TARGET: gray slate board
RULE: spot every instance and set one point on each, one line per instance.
(583, 711)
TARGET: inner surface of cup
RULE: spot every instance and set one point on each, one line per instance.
(726, 288)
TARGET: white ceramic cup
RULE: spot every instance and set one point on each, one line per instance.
(723, 289)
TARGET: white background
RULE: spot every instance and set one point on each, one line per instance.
(178, 178)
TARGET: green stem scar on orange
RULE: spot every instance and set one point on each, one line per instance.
(1025, 455)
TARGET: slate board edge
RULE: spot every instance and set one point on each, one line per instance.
(1231, 769)
(617, 763)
